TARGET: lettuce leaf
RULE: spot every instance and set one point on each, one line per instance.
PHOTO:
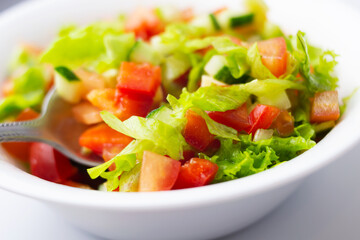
(237, 160)
(28, 92)
(217, 129)
(212, 98)
(162, 135)
(322, 79)
(14, 104)
(117, 49)
(305, 130)
(285, 148)
(84, 46)
(272, 91)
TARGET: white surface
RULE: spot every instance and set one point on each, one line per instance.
(313, 214)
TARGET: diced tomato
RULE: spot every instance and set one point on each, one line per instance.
(196, 132)
(110, 151)
(142, 79)
(129, 105)
(144, 23)
(195, 173)
(21, 150)
(158, 173)
(325, 107)
(237, 118)
(274, 55)
(96, 138)
(183, 79)
(86, 113)
(284, 124)
(262, 116)
(49, 164)
(121, 105)
(189, 154)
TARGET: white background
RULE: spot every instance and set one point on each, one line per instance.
(326, 206)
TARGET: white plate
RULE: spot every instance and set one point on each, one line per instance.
(205, 212)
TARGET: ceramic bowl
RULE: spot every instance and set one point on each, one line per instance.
(199, 213)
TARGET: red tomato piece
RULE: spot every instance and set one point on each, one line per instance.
(188, 154)
(262, 116)
(325, 107)
(144, 23)
(96, 138)
(129, 105)
(284, 124)
(49, 164)
(237, 118)
(21, 150)
(196, 132)
(158, 173)
(121, 105)
(142, 79)
(274, 55)
(195, 173)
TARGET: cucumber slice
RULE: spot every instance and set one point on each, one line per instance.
(68, 85)
(142, 52)
(215, 65)
(175, 66)
(67, 74)
(206, 23)
(241, 20)
(215, 22)
(263, 134)
(229, 19)
(218, 69)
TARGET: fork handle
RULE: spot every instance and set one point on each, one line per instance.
(26, 131)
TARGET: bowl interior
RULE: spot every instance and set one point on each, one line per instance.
(37, 22)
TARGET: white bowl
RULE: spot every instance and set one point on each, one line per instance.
(201, 213)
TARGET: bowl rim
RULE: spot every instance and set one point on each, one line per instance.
(17, 181)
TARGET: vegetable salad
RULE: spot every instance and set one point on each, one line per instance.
(176, 100)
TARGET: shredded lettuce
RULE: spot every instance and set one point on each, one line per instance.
(161, 134)
(305, 130)
(29, 79)
(322, 78)
(85, 46)
(236, 160)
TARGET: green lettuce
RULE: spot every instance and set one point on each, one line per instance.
(285, 148)
(237, 160)
(162, 135)
(85, 46)
(322, 79)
